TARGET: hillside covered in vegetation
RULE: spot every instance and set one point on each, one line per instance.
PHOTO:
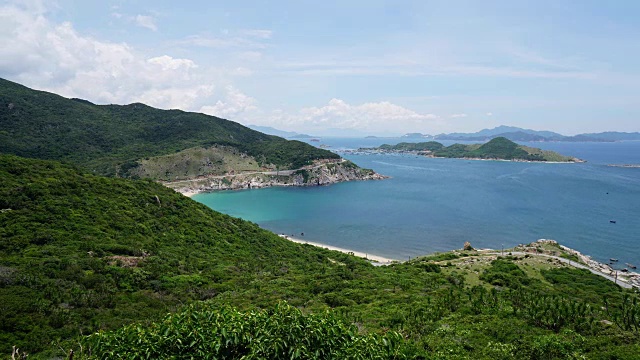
(408, 146)
(499, 148)
(113, 140)
(82, 254)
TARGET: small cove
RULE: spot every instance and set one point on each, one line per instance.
(434, 205)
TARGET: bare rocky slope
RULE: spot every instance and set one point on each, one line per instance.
(321, 172)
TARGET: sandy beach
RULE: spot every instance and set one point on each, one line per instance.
(188, 193)
(374, 258)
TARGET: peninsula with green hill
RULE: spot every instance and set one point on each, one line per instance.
(499, 148)
(170, 146)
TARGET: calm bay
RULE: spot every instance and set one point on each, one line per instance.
(431, 205)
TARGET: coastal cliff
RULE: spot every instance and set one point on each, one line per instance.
(322, 172)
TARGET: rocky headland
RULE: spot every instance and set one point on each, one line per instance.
(321, 172)
(552, 248)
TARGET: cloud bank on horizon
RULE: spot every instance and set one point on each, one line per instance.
(375, 67)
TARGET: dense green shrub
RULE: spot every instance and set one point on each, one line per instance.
(505, 273)
(580, 283)
(204, 331)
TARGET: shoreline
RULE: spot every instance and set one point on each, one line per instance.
(513, 160)
(373, 258)
(573, 160)
(631, 279)
(322, 174)
(189, 193)
(628, 277)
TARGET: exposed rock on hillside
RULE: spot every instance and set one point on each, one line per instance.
(320, 173)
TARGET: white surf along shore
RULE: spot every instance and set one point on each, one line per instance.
(626, 279)
(373, 258)
(629, 278)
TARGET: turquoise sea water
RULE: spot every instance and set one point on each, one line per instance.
(437, 204)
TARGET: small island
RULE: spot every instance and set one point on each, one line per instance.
(499, 148)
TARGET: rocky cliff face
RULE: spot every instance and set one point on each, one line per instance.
(321, 173)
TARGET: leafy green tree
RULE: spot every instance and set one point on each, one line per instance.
(626, 314)
(204, 331)
(567, 345)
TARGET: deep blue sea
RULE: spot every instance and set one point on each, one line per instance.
(434, 205)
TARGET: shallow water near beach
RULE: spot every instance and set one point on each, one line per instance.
(434, 205)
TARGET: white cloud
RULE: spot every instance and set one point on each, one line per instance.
(146, 21)
(489, 114)
(169, 63)
(258, 33)
(372, 117)
(55, 57)
(514, 72)
(246, 39)
(207, 41)
(371, 66)
(242, 71)
(38, 7)
(250, 56)
(235, 104)
(457, 116)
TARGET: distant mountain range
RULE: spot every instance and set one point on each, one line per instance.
(519, 134)
(318, 133)
(277, 132)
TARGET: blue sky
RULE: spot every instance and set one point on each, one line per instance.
(342, 67)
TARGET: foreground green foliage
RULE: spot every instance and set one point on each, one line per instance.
(204, 331)
(81, 254)
(112, 139)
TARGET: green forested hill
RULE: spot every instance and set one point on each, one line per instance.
(499, 148)
(503, 149)
(407, 146)
(110, 139)
(81, 253)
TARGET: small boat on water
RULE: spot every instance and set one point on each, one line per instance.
(613, 260)
(612, 221)
(630, 266)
